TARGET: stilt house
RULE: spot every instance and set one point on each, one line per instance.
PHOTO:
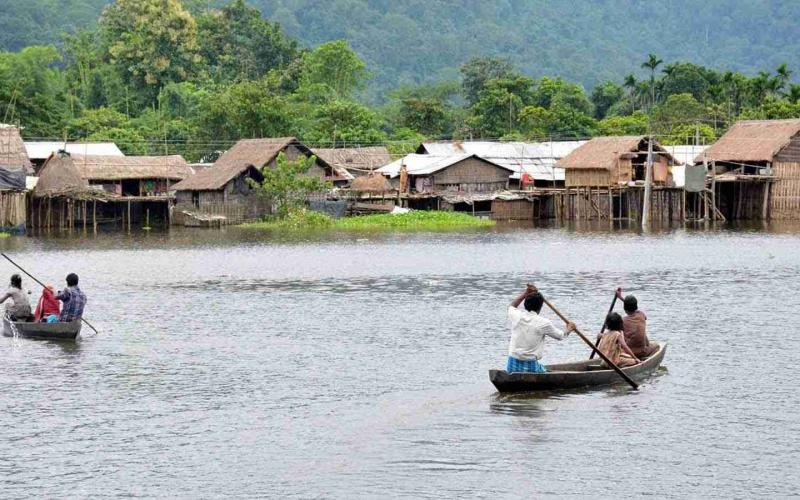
(14, 166)
(613, 161)
(757, 165)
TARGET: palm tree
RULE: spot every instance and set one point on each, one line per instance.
(652, 63)
(630, 84)
(794, 93)
(783, 75)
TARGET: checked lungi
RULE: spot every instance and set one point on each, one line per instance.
(525, 366)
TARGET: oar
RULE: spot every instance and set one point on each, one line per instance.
(42, 284)
(589, 343)
(617, 294)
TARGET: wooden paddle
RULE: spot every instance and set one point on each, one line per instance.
(617, 295)
(42, 284)
(589, 343)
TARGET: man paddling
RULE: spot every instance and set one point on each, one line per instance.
(74, 300)
(528, 332)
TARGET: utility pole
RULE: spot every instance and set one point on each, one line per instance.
(648, 185)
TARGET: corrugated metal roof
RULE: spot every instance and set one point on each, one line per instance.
(425, 164)
(535, 158)
(41, 150)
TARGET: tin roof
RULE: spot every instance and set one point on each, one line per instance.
(41, 150)
(426, 164)
(538, 159)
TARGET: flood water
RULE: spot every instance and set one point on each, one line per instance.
(245, 364)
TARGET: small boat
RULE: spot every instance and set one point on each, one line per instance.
(42, 331)
(574, 375)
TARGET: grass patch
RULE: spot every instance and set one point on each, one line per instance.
(420, 220)
(5, 235)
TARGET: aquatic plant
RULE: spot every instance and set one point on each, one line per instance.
(303, 219)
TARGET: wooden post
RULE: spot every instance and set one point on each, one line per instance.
(648, 185)
(765, 202)
(94, 215)
(713, 191)
(129, 215)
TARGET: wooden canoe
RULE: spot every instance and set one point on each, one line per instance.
(42, 331)
(573, 375)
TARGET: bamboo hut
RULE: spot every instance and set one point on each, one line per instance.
(14, 165)
(614, 161)
(62, 198)
(757, 170)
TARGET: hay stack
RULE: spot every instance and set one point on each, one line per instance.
(60, 177)
(373, 183)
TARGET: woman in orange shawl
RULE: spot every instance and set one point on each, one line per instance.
(48, 304)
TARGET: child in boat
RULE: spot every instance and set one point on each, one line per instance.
(612, 343)
(48, 306)
(634, 327)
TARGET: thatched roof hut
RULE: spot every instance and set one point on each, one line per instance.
(117, 168)
(355, 162)
(245, 155)
(373, 183)
(12, 149)
(608, 161)
(752, 141)
(60, 177)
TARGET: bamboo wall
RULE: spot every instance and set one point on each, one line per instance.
(587, 177)
(12, 209)
(514, 209)
(469, 172)
(784, 197)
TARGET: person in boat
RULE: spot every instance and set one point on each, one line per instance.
(612, 343)
(634, 326)
(528, 332)
(74, 300)
(47, 309)
(20, 307)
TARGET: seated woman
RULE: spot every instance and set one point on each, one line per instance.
(612, 343)
(20, 307)
(48, 306)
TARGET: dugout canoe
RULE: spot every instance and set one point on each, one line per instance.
(575, 375)
(42, 331)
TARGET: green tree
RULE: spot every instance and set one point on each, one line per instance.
(287, 184)
(238, 44)
(33, 91)
(479, 71)
(345, 122)
(334, 66)
(634, 124)
(495, 114)
(151, 42)
(678, 109)
(606, 95)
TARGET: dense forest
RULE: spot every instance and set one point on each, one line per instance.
(413, 41)
(191, 77)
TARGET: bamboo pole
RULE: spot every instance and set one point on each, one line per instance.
(648, 186)
(94, 216)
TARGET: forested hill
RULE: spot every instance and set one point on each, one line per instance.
(410, 41)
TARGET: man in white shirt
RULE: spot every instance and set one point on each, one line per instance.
(528, 331)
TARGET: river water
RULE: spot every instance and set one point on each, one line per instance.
(246, 364)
